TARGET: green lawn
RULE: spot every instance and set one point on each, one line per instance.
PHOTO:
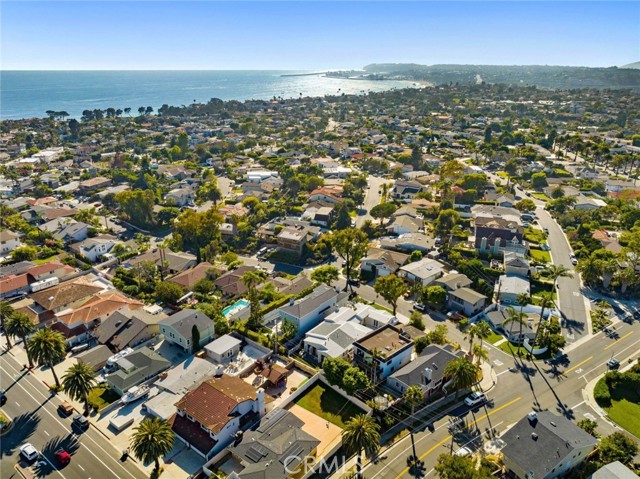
(534, 235)
(540, 255)
(46, 260)
(494, 338)
(102, 397)
(541, 196)
(625, 407)
(328, 404)
(626, 414)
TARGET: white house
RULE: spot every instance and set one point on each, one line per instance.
(425, 271)
(8, 242)
(466, 300)
(383, 352)
(334, 337)
(94, 248)
(223, 349)
(307, 312)
(178, 328)
(181, 196)
(382, 262)
(509, 286)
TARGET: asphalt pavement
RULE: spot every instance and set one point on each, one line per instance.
(36, 419)
(523, 386)
(371, 199)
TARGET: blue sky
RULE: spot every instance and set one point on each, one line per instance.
(308, 35)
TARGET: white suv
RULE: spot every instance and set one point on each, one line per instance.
(29, 452)
(475, 398)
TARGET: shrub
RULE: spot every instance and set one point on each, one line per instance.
(601, 394)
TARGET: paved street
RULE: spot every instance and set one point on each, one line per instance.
(522, 387)
(570, 298)
(37, 420)
(371, 199)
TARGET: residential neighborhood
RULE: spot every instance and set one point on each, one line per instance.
(452, 269)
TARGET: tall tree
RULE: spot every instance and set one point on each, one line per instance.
(6, 311)
(390, 288)
(195, 339)
(514, 316)
(546, 301)
(151, 440)
(383, 211)
(483, 331)
(193, 231)
(522, 300)
(351, 245)
(251, 280)
(326, 274)
(21, 326)
(48, 347)
(78, 382)
(462, 373)
(414, 397)
(361, 433)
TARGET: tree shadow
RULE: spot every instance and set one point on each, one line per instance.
(560, 406)
(23, 374)
(23, 427)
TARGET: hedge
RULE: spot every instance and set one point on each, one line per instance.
(601, 393)
(276, 304)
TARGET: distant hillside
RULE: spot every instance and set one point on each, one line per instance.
(635, 65)
(542, 76)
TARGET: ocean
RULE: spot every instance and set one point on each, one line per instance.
(29, 94)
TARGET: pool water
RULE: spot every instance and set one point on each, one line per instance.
(235, 307)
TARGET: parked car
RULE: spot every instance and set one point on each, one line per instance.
(613, 363)
(475, 398)
(3, 399)
(546, 230)
(29, 452)
(62, 456)
(574, 261)
(66, 408)
(80, 421)
(419, 307)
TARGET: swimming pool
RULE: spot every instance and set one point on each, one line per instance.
(235, 308)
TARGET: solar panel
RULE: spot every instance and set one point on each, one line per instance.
(256, 452)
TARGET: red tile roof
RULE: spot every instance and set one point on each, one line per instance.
(13, 283)
(212, 403)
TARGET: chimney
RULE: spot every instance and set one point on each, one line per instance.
(458, 285)
(291, 301)
(427, 375)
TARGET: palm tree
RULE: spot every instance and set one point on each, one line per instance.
(48, 347)
(6, 312)
(251, 280)
(556, 271)
(546, 301)
(361, 433)
(480, 354)
(626, 277)
(21, 326)
(78, 382)
(152, 439)
(483, 331)
(514, 316)
(462, 373)
(472, 332)
(590, 268)
(414, 396)
(522, 300)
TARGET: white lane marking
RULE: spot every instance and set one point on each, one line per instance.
(578, 405)
(18, 404)
(47, 433)
(497, 362)
(81, 467)
(617, 354)
(65, 428)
